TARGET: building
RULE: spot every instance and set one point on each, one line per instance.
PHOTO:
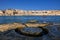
(11, 12)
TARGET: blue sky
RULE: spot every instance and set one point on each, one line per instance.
(30, 4)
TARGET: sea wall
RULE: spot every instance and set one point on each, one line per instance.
(11, 12)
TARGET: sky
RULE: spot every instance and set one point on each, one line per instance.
(30, 4)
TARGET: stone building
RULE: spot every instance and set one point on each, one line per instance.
(1, 13)
(11, 12)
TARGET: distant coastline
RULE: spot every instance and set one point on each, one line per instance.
(15, 12)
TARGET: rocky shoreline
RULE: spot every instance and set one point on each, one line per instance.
(9, 26)
(5, 27)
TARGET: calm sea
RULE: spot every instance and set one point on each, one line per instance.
(10, 19)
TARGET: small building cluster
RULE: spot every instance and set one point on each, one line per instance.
(11, 12)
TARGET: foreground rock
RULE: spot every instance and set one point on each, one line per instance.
(5, 27)
(32, 32)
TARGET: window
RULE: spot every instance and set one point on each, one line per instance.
(45, 12)
(3, 11)
(36, 12)
(33, 12)
(15, 13)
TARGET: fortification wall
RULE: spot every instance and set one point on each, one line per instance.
(29, 12)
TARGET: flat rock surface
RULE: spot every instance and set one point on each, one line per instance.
(54, 34)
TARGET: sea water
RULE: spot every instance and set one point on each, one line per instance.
(54, 31)
(10, 19)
